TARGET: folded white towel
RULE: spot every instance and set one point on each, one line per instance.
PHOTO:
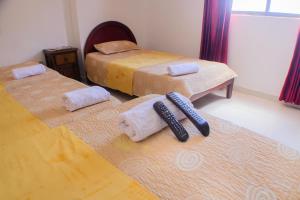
(142, 121)
(32, 70)
(81, 98)
(182, 69)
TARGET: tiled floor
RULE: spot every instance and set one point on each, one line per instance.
(269, 118)
(266, 117)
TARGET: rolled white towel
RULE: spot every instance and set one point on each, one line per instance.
(32, 70)
(81, 98)
(142, 121)
(182, 69)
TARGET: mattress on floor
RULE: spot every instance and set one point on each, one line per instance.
(149, 73)
(42, 95)
(232, 163)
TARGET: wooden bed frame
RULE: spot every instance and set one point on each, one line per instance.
(228, 85)
(113, 31)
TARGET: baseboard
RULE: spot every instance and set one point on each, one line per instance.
(292, 105)
(256, 93)
(263, 95)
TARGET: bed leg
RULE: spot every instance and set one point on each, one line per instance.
(229, 90)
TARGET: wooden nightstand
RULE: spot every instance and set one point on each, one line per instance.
(63, 60)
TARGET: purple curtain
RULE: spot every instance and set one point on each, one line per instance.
(291, 89)
(216, 19)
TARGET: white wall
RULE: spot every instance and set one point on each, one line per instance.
(133, 13)
(175, 26)
(260, 47)
(89, 14)
(129, 12)
(27, 27)
(261, 50)
(71, 22)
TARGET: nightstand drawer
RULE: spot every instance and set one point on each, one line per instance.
(67, 58)
(68, 70)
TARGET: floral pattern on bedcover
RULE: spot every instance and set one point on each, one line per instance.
(232, 163)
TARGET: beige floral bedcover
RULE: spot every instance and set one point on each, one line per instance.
(232, 163)
(42, 95)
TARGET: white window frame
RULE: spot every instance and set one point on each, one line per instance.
(267, 12)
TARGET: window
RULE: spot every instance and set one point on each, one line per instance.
(268, 7)
(249, 5)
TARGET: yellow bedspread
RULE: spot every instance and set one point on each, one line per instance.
(121, 71)
(42, 163)
(143, 72)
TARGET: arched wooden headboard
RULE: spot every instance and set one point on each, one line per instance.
(106, 32)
